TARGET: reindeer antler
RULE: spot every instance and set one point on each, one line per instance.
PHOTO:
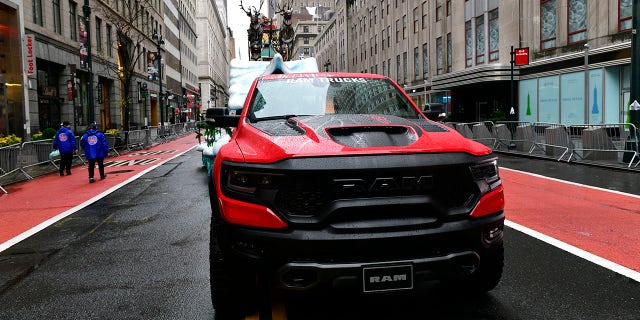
(243, 9)
(286, 7)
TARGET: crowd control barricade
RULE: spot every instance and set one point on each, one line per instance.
(9, 162)
(605, 143)
(551, 139)
(36, 153)
(136, 139)
(483, 133)
(111, 141)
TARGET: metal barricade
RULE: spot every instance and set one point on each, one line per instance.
(36, 153)
(551, 140)
(136, 139)
(605, 143)
(9, 162)
(111, 141)
(514, 136)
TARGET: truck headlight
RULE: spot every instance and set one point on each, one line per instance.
(248, 181)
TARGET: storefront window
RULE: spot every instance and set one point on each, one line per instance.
(12, 111)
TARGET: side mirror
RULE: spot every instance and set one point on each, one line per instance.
(221, 117)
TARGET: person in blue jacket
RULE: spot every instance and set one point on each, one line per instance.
(96, 148)
(65, 142)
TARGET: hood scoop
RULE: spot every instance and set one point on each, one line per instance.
(372, 136)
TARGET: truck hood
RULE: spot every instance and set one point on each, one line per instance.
(340, 134)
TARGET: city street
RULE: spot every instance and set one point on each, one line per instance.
(141, 252)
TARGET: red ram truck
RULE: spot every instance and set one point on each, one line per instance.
(338, 181)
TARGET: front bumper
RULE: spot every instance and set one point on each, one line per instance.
(311, 258)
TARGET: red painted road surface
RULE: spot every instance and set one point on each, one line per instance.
(603, 223)
(40, 202)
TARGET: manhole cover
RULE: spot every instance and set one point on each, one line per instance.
(119, 171)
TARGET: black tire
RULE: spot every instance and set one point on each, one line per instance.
(488, 275)
(233, 287)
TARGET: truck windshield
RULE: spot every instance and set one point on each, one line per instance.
(328, 95)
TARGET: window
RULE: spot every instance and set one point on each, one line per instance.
(405, 63)
(73, 33)
(468, 44)
(439, 55)
(425, 61)
(416, 63)
(397, 31)
(305, 29)
(384, 68)
(57, 24)
(449, 52)
(388, 36)
(415, 20)
(110, 42)
(624, 15)
(404, 26)
(305, 40)
(425, 18)
(439, 11)
(375, 41)
(37, 12)
(548, 24)
(398, 68)
(480, 34)
(375, 14)
(383, 37)
(99, 34)
(494, 36)
(448, 7)
(577, 20)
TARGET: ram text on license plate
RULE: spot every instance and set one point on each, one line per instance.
(387, 278)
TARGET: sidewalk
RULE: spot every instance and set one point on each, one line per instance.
(33, 205)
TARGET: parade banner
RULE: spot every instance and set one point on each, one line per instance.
(82, 30)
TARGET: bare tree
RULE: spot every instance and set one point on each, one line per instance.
(131, 21)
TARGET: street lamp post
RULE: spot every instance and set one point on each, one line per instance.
(586, 82)
(326, 65)
(159, 41)
(87, 18)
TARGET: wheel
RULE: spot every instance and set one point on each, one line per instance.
(233, 286)
(488, 275)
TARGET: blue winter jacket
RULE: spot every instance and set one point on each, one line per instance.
(94, 144)
(65, 140)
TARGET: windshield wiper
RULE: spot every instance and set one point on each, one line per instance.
(284, 116)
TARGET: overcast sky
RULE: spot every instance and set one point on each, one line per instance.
(239, 23)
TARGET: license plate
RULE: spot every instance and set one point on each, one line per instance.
(387, 278)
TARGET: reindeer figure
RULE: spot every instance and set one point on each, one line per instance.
(254, 33)
(286, 35)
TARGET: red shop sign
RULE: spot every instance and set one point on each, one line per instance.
(522, 56)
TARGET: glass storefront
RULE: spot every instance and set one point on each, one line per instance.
(12, 116)
(561, 98)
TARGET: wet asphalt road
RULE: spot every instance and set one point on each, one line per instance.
(142, 253)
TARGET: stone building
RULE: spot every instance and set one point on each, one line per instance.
(213, 53)
(52, 69)
(459, 53)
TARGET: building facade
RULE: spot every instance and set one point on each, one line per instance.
(213, 53)
(460, 53)
(116, 67)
